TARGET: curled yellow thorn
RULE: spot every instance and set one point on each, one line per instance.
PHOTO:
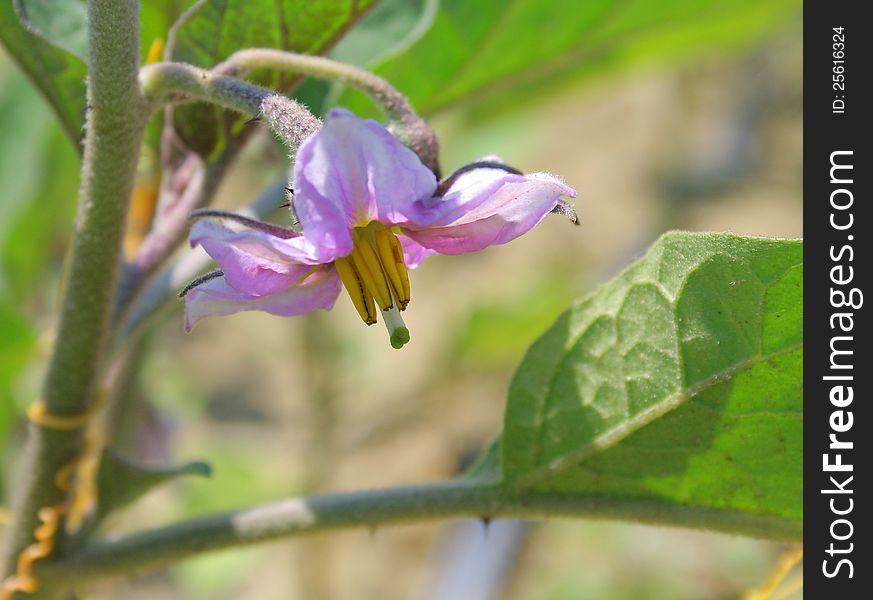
(38, 414)
(77, 477)
(23, 580)
(84, 494)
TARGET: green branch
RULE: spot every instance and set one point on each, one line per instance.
(404, 122)
(168, 82)
(464, 498)
(115, 121)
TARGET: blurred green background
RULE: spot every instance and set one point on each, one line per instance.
(663, 115)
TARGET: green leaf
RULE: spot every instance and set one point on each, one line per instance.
(62, 23)
(487, 468)
(482, 338)
(213, 31)
(385, 31)
(120, 482)
(156, 18)
(58, 74)
(678, 382)
(478, 50)
(218, 29)
(18, 345)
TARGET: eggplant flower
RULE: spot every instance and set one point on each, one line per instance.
(369, 210)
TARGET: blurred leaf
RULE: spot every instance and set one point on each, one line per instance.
(24, 122)
(58, 74)
(385, 31)
(39, 171)
(244, 475)
(62, 23)
(213, 31)
(483, 338)
(156, 18)
(37, 237)
(487, 468)
(485, 49)
(678, 381)
(121, 482)
(18, 343)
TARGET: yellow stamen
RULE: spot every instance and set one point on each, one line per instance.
(364, 251)
(358, 292)
(397, 253)
(374, 272)
(396, 272)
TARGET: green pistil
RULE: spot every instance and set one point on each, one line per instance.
(399, 337)
(397, 330)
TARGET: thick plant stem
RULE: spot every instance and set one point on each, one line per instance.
(112, 139)
(464, 498)
(404, 122)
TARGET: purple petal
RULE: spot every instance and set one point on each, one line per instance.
(254, 261)
(249, 260)
(351, 172)
(413, 252)
(485, 207)
(217, 298)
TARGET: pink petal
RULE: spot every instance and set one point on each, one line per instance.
(485, 207)
(413, 252)
(253, 262)
(351, 172)
(217, 298)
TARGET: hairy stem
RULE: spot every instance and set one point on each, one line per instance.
(167, 82)
(405, 123)
(464, 498)
(114, 128)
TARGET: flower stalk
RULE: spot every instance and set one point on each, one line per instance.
(404, 122)
(113, 134)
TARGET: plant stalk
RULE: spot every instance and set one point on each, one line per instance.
(404, 122)
(114, 129)
(463, 498)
